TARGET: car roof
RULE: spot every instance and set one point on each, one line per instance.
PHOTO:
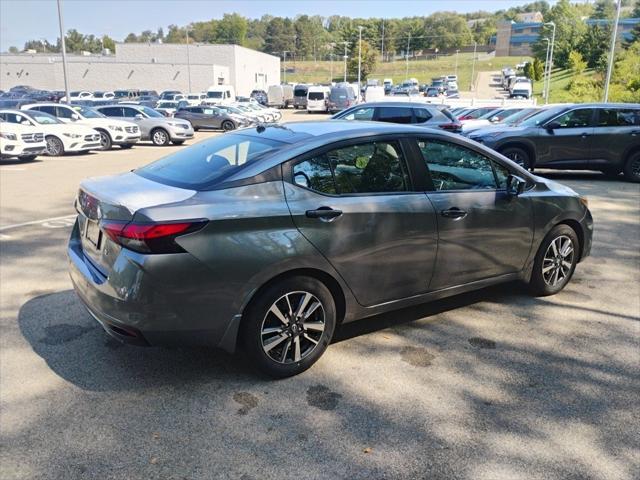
(397, 104)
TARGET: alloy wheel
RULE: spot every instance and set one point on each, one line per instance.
(292, 327)
(159, 137)
(635, 167)
(54, 146)
(558, 260)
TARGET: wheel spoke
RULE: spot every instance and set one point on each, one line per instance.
(314, 306)
(296, 349)
(276, 311)
(555, 276)
(303, 304)
(285, 351)
(546, 269)
(566, 264)
(554, 248)
(315, 342)
(315, 326)
(267, 331)
(274, 343)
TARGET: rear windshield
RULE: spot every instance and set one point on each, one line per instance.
(316, 95)
(214, 94)
(208, 163)
(300, 92)
(338, 94)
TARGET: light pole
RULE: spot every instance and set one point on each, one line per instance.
(64, 53)
(406, 76)
(473, 67)
(544, 75)
(359, 58)
(382, 42)
(457, 51)
(612, 53)
(284, 63)
(188, 59)
(553, 42)
(345, 60)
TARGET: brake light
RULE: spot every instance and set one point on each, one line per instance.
(450, 126)
(150, 237)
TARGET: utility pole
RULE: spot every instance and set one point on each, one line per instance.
(473, 67)
(612, 53)
(553, 44)
(382, 42)
(407, 57)
(331, 74)
(359, 59)
(544, 75)
(188, 59)
(345, 60)
(64, 53)
(457, 51)
(284, 62)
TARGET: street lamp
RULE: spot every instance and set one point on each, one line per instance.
(553, 42)
(544, 75)
(188, 59)
(612, 53)
(407, 57)
(64, 53)
(359, 58)
(345, 60)
(473, 67)
(457, 51)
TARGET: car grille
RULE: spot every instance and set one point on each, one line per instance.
(32, 137)
(132, 129)
(92, 138)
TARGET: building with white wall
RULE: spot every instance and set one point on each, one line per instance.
(153, 66)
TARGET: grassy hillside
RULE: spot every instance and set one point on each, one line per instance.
(423, 70)
(558, 91)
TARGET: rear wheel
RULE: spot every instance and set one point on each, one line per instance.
(555, 261)
(228, 126)
(105, 140)
(55, 147)
(518, 155)
(28, 158)
(160, 137)
(632, 168)
(177, 142)
(126, 145)
(288, 326)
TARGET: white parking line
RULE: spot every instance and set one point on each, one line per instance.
(53, 222)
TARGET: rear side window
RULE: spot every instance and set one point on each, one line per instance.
(422, 115)
(395, 114)
(50, 109)
(112, 111)
(453, 167)
(614, 117)
(360, 114)
(208, 162)
(375, 167)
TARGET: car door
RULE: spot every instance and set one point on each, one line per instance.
(566, 139)
(197, 118)
(616, 132)
(356, 204)
(483, 231)
(144, 124)
(65, 114)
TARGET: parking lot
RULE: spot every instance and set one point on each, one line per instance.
(492, 384)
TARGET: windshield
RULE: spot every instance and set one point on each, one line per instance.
(151, 112)
(541, 116)
(208, 162)
(193, 97)
(167, 105)
(214, 94)
(98, 94)
(300, 92)
(43, 118)
(88, 112)
(120, 94)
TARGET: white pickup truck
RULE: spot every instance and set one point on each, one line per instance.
(21, 141)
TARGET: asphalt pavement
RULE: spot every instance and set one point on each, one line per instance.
(488, 385)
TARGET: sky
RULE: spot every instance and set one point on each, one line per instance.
(22, 20)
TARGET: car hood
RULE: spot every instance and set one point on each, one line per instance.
(17, 128)
(497, 129)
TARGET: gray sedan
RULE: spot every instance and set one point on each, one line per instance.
(270, 238)
(211, 117)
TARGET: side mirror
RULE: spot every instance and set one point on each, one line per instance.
(301, 179)
(552, 125)
(75, 116)
(515, 185)
(495, 119)
(138, 116)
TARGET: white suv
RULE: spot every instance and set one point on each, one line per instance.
(112, 131)
(21, 141)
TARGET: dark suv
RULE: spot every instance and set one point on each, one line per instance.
(403, 112)
(603, 137)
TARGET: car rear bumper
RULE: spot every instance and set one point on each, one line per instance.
(147, 299)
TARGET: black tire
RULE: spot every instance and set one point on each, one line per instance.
(105, 140)
(177, 142)
(518, 155)
(126, 145)
(632, 168)
(28, 158)
(541, 283)
(228, 125)
(259, 314)
(55, 147)
(160, 137)
(195, 129)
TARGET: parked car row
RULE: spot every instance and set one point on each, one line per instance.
(517, 86)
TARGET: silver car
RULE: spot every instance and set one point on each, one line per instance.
(153, 125)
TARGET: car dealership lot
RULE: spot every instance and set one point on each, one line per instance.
(491, 384)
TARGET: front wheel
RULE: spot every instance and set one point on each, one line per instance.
(126, 145)
(555, 261)
(160, 137)
(632, 168)
(105, 141)
(518, 155)
(177, 142)
(55, 147)
(228, 126)
(287, 328)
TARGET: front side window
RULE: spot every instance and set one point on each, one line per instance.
(575, 118)
(11, 117)
(395, 114)
(375, 167)
(453, 167)
(130, 112)
(360, 114)
(112, 111)
(63, 112)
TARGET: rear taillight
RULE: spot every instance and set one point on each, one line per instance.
(451, 126)
(150, 237)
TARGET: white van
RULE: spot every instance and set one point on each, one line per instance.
(220, 94)
(317, 97)
(196, 99)
(280, 96)
(373, 94)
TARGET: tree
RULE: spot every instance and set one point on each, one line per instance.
(538, 69)
(131, 38)
(635, 33)
(280, 36)
(74, 41)
(576, 62)
(232, 29)
(13, 49)
(369, 57)
(108, 42)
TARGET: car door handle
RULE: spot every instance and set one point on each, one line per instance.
(584, 135)
(453, 212)
(324, 213)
